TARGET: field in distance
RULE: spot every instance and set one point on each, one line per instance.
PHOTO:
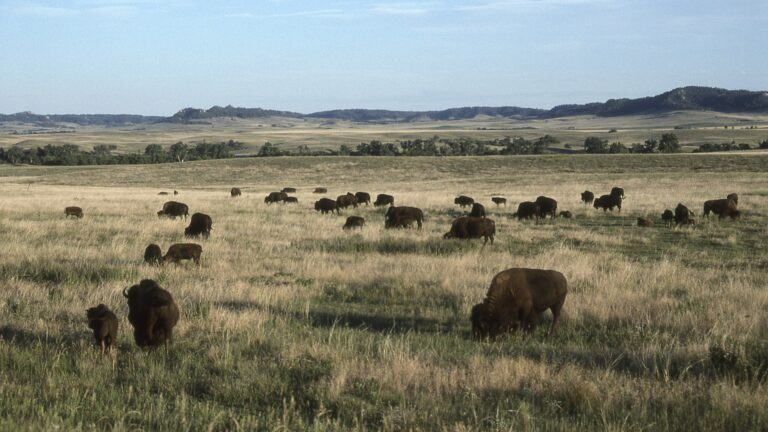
(292, 322)
(693, 128)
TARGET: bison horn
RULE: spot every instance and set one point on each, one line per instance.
(124, 293)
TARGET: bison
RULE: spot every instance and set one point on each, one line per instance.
(644, 222)
(617, 192)
(344, 201)
(291, 200)
(275, 197)
(384, 199)
(608, 202)
(320, 190)
(152, 312)
(162, 193)
(722, 208)
(354, 222)
(153, 254)
(519, 295)
(235, 192)
(499, 201)
(547, 206)
(587, 197)
(183, 251)
(174, 209)
(469, 227)
(683, 216)
(565, 214)
(733, 197)
(463, 201)
(175, 192)
(103, 322)
(403, 217)
(363, 198)
(73, 211)
(668, 217)
(326, 205)
(289, 190)
(478, 210)
(528, 210)
(200, 223)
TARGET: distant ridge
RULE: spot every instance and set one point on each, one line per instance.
(690, 98)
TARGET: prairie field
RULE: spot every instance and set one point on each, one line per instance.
(291, 323)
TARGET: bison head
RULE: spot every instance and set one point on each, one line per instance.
(97, 313)
(480, 318)
(149, 293)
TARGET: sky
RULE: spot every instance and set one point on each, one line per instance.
(155, 57)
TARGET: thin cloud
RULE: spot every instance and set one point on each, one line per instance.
(516, 4)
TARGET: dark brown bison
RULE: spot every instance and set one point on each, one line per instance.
(174, 209)
(73, 211)
(528, 210)
(354, 222)
(183, 251)
(519, 295)
(722, 208)
(162, 193)
(235, 192)
(499, 201)
(104, 325)
(565, 214)
(643, 222)
(320, 190)
(175, 192)
(608, 202)
(363, 198)
(199, 224)
(289, 190)
(683, 216)
(668, 217)
(617, 192)
(478, 210)
(733, 197)
(463, 201)
(326, 205)
(152, 312)
(469, 227)
(291, 200)
(384, 199)
(547, 206)
(587, 197)
(344, 201)
(153, 254)
(275, 197)
(403, 217)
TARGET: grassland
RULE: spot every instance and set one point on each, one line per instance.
(291, 323)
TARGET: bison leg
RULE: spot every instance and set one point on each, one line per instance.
(418, 221)
(555, 316)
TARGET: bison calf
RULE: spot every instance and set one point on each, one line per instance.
(683, 216)
(73, 211)
(668, 217)
(384, 199)
(103, 322)
(587, 197)
(643, 222)
(183, 251)
(152, 312)
(565, 214)
(354, 222)
(499, 200)
(519, 295)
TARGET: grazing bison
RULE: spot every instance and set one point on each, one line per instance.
(73, 211)
(722, 208)
(683, 216)
(363, 198)
(320, 190)
(153, 255)
(152, 313)
(733, 197)
(289, 190)
(478, 210)
(463, 201)
(668, 217)
(643, 222)
(235, 192)
(354, 222)
(566, 214)
(326, 205)
(608, 202)
(275, 197)
(499, 201)
(547, 206)
(587, 197)
(403, 217)
(528, 210)
(175, 192)
(472, 227)
(162, 193)
(103, 322)
(344, 201)
(291, 200)
(200, 223)
(384, 199)
(183, 251)
(617, 192)
(519, 294)
(174, 209)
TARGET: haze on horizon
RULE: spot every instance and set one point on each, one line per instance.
(156, 57)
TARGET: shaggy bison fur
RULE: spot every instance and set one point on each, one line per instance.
(608, 202)
(547, 206)
(326, 205)
(565, 214)
(152, 312)
(183, 251)
(199, 224)
(354, 222)
(644, 222)
(683, 216)
(618, 192)
(174, 209)
(733, 197)
(291, 200)
(289, 190)
(344, 201)
(528, 210)
(478, 210)
(103, 322)
(320, 190)
(363, 198)
(519, 295)
(403, 217)
(469, 227)
(722, 208)
(235, 192)
(384, 199)
(587, 197)
(275, 197)
(463, 201)
(668, 217)
(153, 254)
(499, 201)
(73, 211)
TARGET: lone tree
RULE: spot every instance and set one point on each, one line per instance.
(179, 151)
(669, 143)
(595, 145)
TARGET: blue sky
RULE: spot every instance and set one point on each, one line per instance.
(158, 56)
